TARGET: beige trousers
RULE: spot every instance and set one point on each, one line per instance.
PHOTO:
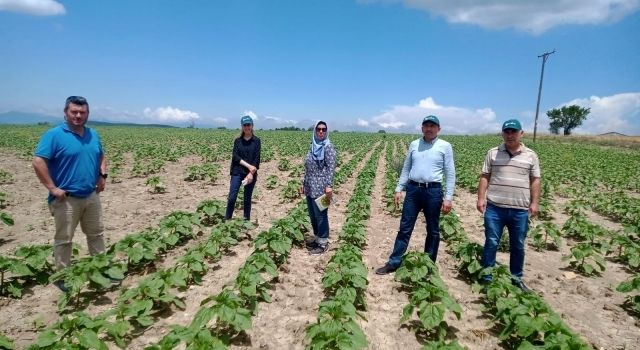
(67, 214)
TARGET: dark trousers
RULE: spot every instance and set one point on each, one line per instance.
(234, 187)
(319, 221)
(429, 201)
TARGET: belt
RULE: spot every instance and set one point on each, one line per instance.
(425, 184)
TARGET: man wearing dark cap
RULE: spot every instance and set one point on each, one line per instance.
(428, 161)
(508, 192)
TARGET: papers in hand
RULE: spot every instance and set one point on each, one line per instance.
(323, 203)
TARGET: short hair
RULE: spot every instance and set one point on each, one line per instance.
(76, 100)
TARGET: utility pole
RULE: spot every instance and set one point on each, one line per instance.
(544, 60)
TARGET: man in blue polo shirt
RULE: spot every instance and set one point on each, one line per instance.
(428, 161)
(69, 161)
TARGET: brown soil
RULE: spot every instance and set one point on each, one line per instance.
(589, 305)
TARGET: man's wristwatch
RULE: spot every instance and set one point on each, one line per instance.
(104, 175)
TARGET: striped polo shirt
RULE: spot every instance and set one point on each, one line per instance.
(509, 184)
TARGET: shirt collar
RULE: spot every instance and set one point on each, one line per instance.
(66, 127)
(503, 147)
(429, 143)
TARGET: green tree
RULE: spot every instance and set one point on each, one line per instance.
(567, 118)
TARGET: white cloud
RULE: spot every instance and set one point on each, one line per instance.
(453, 120)
(221, 120)
(252, 114)
(271, 122)
(33, 7)
(531, 16)
(170, 114)
(616, 113)
(362, 122)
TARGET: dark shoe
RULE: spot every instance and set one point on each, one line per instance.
(484, 281)
(311, 244)
(386, 269)
(521, 285)
(60, 284)
(319, 249)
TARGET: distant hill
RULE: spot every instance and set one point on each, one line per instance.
(21, 118)
(613, 133)
(27, 118)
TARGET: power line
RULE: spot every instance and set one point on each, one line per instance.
(544, 60)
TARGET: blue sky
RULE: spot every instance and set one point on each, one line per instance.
(360, 65)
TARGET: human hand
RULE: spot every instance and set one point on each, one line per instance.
(481, 205)
(59, 193)
(398, 198)
(248, 179)
(329, 192)
(534, 209)
(102, 182)
(252, 169)
(446, 206)
(301, 190)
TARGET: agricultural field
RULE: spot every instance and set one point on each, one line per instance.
(193, 281)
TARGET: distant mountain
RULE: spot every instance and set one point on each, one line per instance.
(13, 117)
(22, 118)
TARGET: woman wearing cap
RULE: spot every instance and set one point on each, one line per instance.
(319, 166)
(245, 162)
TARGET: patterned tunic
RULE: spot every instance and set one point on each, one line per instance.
(319, 174)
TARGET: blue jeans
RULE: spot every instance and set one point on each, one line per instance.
(236, 182)
(319, 221)
(417, 199)
(517, 223)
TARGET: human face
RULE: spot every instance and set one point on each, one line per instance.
(430, 131)
(512, 137)
(321, 131)
(247, 129)
(76, 115)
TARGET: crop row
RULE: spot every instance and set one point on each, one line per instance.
(345, 278)
(224, 316)
(524, 320)
(137, 307)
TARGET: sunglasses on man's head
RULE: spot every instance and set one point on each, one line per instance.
(76, 100)
(321, 129)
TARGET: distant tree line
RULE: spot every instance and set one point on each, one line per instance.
(291, 128)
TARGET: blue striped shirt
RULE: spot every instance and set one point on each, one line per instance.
(429, 162)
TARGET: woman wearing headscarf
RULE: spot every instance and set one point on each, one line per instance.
(319, 166)
(245, 161)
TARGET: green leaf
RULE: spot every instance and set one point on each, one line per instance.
(145, 321)
(115, 272)
(98, 278)
(431, 314)
(89, 339)
(47, 338)
(6, 343)
(407, 312)
(6, 218)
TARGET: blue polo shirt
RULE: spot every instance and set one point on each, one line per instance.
(74, 161)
